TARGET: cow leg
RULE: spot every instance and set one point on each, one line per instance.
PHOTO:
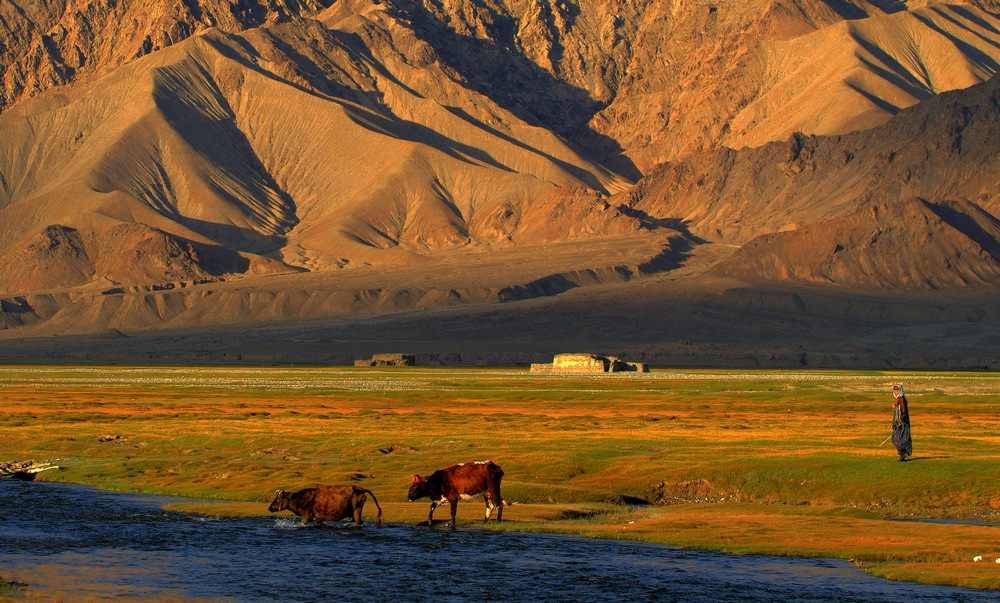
(454, 512)
(489, 507)
(497, 500)
(358, 504)
(430, 516)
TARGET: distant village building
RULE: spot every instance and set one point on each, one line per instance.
(388, 360)
(589, 363)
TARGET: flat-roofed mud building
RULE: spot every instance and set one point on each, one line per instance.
(589, 363)
(387, 360)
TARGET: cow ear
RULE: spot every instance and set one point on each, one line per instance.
(414, 479)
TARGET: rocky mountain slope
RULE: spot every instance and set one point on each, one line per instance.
(183, 164)
(52, 43)
(911, 204)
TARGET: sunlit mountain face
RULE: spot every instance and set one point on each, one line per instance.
(202, 164)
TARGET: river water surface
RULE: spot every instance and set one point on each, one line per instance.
(72, 543)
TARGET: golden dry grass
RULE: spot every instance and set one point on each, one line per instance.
(770, 462)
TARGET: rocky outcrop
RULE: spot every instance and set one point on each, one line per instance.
(24, 470)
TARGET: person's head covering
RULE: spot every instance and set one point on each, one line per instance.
(897, 390)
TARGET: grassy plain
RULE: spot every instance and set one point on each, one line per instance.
(786, 463)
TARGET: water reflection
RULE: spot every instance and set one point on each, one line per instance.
(75, 544)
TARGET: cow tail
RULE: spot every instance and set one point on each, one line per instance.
(378, 518)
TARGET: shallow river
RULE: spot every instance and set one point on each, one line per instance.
(73, 543)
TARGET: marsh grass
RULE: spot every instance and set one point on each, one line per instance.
(768, 461)
(12, 590)
(9, 586)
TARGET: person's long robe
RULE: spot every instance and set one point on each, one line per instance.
(901, 430)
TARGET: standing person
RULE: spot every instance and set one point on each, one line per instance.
(901, 424)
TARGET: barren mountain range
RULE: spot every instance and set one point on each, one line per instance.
(762, 183)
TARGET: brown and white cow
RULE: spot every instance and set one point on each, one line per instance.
(325, 503)
(464, 480)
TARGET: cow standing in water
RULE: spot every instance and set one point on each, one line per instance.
(451, 483)
(325, 503)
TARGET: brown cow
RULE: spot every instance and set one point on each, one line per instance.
(325, 503)
(451, 483)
